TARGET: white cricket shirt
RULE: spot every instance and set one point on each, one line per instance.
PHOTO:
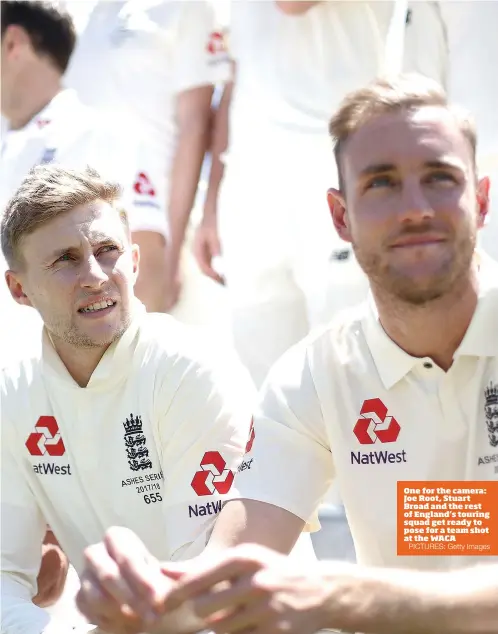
(142, 55)
(70, 133)
(151, 443)
(307, 433)
(293, 71)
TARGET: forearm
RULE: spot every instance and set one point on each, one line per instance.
(296, 7)
(185, 173)
(53, 572)
(381, 601)
(219, 146)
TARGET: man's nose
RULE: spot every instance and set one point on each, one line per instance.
(92, 274)
(415, 207)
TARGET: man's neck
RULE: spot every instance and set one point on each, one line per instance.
(79, 362)
(433, 330)
(33, 92)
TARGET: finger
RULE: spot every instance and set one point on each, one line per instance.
(245, 619)
(173, 570)
(140, 569)
(204, 260)
(104, 572)
(205, 577)
(91, 599)
(210, 272)
(101, 610)
(227, 596)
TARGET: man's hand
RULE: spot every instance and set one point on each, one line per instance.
(251, 588)
(207, 246)
(53, 572)
(122, 587)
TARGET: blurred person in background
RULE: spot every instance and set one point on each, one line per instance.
(268, 223)
(45, 121)
(156, 62)
(473, 50)
(284, 269)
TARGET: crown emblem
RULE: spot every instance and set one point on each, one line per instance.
(133, 425)
(491, 395)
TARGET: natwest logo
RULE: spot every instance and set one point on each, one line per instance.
(47, 439)
(143, 185)
(200, 510)
(214, 476)
(252, 436)
(216, 43)
(374, 424)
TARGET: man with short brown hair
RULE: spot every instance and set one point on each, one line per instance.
(116, 415)
(395, 391)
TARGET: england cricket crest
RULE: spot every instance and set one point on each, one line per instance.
(491, 412)
(136, 450)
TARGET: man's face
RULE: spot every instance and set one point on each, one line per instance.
(79, 273)
(15, 51)
(413, 205)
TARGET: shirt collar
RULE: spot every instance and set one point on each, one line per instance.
(481, 338)
(60, 105)
(393, 363)
(113, 366)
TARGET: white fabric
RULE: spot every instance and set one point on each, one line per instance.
(473, 45)
(304, 429)
(74, 135)
(191, 398)
(286, 269)
(142, 55)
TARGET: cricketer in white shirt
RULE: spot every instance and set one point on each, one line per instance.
(149, 440)
(348, 404)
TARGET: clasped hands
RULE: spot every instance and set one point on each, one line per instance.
(125, 590)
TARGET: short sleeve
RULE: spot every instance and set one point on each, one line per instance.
(22, 528)
(201, 56)
(203, 432)
(117, 151)
(288, 462)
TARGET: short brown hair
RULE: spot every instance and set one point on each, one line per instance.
(47, 192)
(49, 26)
(409, 91)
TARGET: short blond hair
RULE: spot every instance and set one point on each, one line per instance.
(47, 192)
(385, 95)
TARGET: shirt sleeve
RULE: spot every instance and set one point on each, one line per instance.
(118, 152)
(201, 56)
(22, 528)
(203, 430)
(288, 462)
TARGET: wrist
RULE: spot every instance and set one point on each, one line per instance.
(339, 607)
(209, 213)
